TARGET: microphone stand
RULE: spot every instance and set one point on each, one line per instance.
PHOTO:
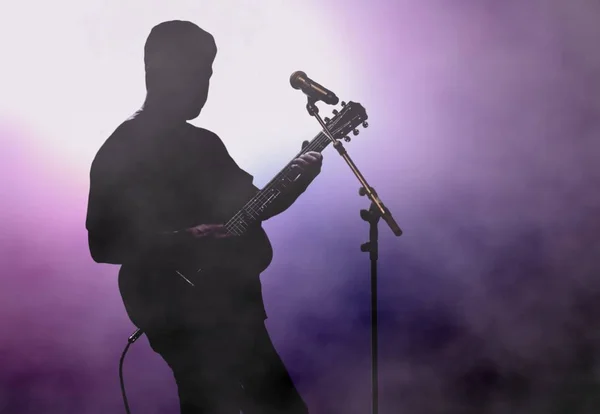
(376, 211)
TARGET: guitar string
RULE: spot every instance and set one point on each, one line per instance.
(321, 140)
(261, 197)
(232, 225)
(252, 209)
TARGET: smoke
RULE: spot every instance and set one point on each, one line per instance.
(486, 119)
(488, 299)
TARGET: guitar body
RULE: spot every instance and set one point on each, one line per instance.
(250, 253)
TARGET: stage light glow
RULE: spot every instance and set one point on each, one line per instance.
(79, 74)
(483, 142)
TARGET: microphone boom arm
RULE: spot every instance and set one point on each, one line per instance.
(366, 189)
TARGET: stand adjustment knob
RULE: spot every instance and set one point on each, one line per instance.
(366, 215)
(365, 247)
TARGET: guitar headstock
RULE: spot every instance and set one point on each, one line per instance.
(348, 119)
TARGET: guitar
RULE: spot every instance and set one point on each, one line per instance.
(252, 250)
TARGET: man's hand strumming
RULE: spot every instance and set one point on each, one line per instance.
(216, 231)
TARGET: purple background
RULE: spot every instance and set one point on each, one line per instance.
(483, 143)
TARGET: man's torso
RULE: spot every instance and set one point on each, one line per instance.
(188, 179)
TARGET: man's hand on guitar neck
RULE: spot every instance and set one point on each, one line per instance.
(308, 165)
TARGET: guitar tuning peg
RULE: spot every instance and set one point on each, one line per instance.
(343, 103)
(365, 124)
(347, 139)
(326, 120)
(356, 132)
(335, 112)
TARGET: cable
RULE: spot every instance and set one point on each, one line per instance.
(134, 337)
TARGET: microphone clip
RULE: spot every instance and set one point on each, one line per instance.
(311, 106)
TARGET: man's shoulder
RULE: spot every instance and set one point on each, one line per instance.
(207, 138)
(119, 145)
(127, 133)
(201, 133)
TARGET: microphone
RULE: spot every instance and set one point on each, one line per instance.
(312, 89)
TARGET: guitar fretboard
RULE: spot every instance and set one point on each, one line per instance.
(255, 207)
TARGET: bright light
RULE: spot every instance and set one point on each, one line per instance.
(76, 75)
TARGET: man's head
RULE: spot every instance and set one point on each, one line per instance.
(178, 57)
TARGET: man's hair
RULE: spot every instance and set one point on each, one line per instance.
(178, 43)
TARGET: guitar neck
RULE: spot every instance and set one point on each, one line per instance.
(252, 212)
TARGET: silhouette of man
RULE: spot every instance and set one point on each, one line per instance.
(160, 191)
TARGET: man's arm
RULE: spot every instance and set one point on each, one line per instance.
(239, 182)
(122, 221)
(110, 241)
